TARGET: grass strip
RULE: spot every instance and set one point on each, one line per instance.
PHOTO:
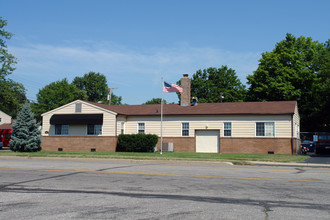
(230, 157)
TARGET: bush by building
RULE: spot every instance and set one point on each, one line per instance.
(137, 142)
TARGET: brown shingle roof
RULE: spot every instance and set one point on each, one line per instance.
(232, 108)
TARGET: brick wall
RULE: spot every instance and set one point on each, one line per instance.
(79, 143)
(180, 144)
(257, 145)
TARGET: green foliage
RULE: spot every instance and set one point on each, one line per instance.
(55, 95)
(154, 101)
(7, 61)
(321, 89)
(95, 86)
(26, 135)
(290, 72)
(208, 85)
(137, 142)
(12, 96)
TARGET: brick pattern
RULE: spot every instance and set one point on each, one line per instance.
(180, 144)
(79, 143)
(185, 95)
(257, 145)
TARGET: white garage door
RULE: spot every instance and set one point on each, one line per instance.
(207, 141)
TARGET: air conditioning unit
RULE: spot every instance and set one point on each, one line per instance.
(168, 147)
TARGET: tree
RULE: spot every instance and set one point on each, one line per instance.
(209, 85)
(26, 134)
(12, 94)
(321, 89)
(7, 61)
(95, 86)
(154, 101)
(289, 72)
(55, 95)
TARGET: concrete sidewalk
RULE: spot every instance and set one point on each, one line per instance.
(289, 164)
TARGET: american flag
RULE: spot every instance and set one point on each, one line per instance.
(172, 88)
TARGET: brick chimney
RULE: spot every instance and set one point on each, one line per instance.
(185, 95)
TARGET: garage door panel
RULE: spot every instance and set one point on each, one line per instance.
(207, 141)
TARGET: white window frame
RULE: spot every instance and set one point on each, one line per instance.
(231, 129)
(185, 129)
(265, 129)
(138, 128)
(122, 127)
(97, 130)
(64, 130)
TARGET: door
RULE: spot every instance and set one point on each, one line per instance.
(207, 141)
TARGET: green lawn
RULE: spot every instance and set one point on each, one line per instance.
(235, 158)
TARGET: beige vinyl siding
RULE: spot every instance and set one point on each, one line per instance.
(109, 119)
(152, 125)
(242, 126)
(46, 128)
(296, 122)
(120, 119)
(5, 119)
(109, 125)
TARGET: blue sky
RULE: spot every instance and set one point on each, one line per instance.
(136, 42)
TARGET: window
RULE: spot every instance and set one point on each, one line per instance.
(0, 119)
(78, 107)
(227, 129)
(265, 129)
(122, 127)
(94, 129)
(185, 128)
(61, 129)
(141, 128)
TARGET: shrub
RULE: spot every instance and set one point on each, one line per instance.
(137, 142)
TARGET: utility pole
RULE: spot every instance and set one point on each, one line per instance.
(110, 92)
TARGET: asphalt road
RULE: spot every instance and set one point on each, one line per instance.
(112, 189)
(318, 158)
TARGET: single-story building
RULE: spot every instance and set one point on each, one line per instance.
(240, 127)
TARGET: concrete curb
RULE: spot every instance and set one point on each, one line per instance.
(123, 159)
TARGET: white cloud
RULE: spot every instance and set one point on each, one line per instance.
(135, 71)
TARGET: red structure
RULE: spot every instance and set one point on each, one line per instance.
(5, 134)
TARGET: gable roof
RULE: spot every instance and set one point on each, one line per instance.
(232, 108)
(92, 104)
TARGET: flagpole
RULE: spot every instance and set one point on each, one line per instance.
(161, 119)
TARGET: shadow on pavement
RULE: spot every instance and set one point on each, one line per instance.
(318, 158)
